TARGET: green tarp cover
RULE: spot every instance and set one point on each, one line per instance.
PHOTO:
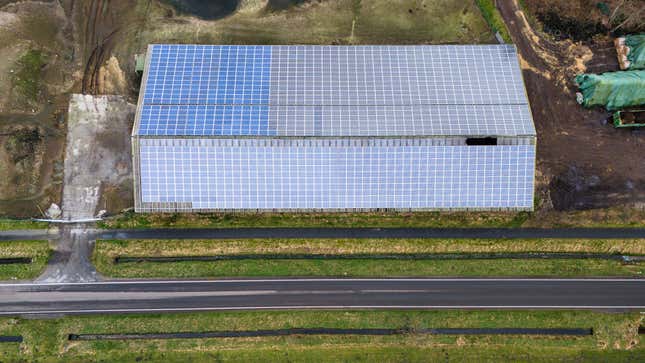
(614, 90)
(636, 55)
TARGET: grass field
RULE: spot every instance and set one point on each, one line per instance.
(615, 337)
(39, 251)
(397, 354)
(106, 251)
(27, 78)
(330, 22)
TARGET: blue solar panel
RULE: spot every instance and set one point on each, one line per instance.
(193, 74)
(189, 120)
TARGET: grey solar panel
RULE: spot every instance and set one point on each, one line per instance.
(395, 75)
(438, 120)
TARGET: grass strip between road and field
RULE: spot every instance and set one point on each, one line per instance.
(107, 250)
(609, 217)
(615, 337)
(359, 219)
(20, 224)
(38, 251)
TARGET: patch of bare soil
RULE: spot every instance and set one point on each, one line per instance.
(582, 20)
(31, 160)
(111, 79)
(76, 39)
(30, 27)
(582, 162)
(31, 136)
(21, 154)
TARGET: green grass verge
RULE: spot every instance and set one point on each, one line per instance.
(530, 16)
(373, 268)
(105, 252)
(609, 217)
(10, 224)
(494, 18)
(366, 219)
(615, 337)
(39, 251)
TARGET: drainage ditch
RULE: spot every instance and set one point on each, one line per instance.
(10, 338)
(334, 331)
(396, 256)
(15, 260)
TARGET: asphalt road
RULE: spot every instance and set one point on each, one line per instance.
(240, 233)
(169, 296)
(27, 234)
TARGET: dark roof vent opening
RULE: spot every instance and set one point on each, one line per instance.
(481, 141)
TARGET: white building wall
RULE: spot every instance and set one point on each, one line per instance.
(197, 174)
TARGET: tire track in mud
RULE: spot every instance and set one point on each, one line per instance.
(100, 44)
(102, 27)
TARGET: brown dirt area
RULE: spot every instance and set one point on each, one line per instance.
(74, 40)
(31, 152)
(582, 162)
(33, 103)
(89, 45)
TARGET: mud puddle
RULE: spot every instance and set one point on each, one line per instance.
(205, 9)
(561, 27)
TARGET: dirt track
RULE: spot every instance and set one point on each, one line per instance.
(99, 30)
(582, 162)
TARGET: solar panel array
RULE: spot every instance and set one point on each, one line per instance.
(333, 91)
(334, 174)
(332, 127)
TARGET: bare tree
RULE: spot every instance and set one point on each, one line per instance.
(627, 14)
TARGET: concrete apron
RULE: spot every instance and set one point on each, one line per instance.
(71, 261)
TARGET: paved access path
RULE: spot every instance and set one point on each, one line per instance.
(97, 136)
(242, 233)
(71, 261)
(213, 295)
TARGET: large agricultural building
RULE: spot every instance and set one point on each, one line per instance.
(306, 128)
